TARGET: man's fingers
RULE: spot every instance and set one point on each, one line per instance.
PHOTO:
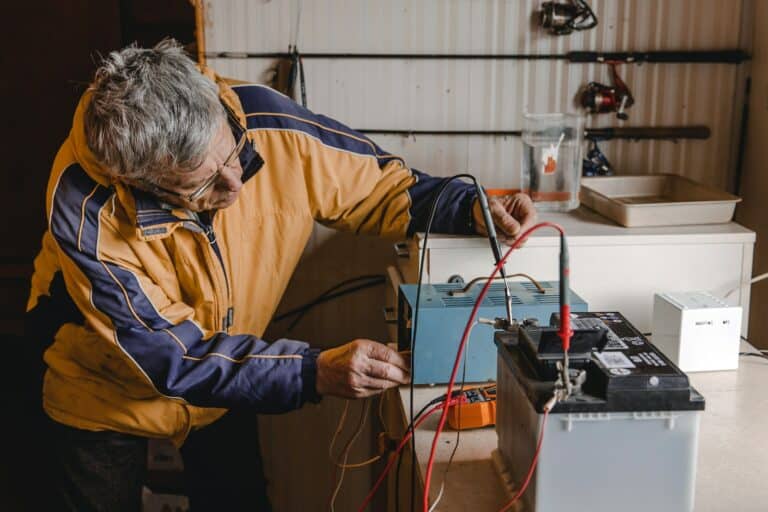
(503, 219)
(373, 386)
(386, 371)
(524, 211)
(383, 353)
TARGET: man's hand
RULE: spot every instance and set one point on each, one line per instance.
(512, 215)
(359, 369)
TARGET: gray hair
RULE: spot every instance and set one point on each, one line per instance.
(151, 110)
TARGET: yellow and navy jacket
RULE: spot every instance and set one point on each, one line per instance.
(156, 313)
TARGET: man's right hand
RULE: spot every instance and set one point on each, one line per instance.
(359, 369)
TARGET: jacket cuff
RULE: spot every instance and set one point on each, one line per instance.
(309, 376)
(471, 225)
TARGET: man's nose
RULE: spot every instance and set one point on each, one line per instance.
(231, 179)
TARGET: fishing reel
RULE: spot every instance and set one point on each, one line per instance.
(600, 98)
(596, 163)
(563, 18)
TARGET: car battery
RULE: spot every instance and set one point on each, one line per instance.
(444, 310)
(625, 439)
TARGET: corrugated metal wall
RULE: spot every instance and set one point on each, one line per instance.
(491, 95)
(456, 95)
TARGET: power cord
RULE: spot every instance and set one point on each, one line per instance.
(752, 281)
(760, 352)
(754, 354)
(433, 210)
(334, 292)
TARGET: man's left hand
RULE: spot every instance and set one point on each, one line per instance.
(512, 215)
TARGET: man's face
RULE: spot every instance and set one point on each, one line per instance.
(220, 175)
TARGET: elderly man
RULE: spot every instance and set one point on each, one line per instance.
(178, 208)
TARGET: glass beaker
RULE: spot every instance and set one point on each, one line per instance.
(551, 167)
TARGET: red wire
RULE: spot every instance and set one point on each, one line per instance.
(400, 447)
(533, 465)
(465, 336)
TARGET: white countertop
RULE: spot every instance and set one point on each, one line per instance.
(732, 468)
(585, 227)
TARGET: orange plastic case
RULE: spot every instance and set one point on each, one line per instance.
(478, 409)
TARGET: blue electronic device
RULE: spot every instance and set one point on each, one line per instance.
(443, 313)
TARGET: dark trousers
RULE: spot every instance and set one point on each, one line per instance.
(105, 471)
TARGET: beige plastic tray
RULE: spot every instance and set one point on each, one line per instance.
(657, 200)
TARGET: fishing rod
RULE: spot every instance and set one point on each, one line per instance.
(600, 134)
(728, 56)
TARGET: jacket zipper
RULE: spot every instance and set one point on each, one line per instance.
(229, 318)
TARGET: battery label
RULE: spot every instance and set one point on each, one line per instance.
(651, 359)
(613, 343)
(614, 360)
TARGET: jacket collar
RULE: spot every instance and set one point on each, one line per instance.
(156, 219)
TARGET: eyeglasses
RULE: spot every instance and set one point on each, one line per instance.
(203, 188)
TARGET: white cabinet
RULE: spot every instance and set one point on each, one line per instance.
(612, 267)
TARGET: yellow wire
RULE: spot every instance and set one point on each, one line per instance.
(359, 464)
(347, 449)
(339, 428)
(381, 411)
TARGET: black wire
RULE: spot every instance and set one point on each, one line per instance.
(762, 353)
(754, 354)
(397, 478)
(438, 194)
(458, 430)
(331, 297)
(326, 295)
(419, 414)
(328, 298)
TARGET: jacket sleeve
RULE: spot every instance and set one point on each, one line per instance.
(357, 186)
(160, 337)
(352, 183)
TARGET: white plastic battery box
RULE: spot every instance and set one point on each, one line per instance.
(627, 441)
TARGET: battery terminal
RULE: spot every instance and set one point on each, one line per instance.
(500, 324)
(569, 381)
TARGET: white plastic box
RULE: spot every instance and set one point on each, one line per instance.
(697, 331)
(657, 200)
(596, 462)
